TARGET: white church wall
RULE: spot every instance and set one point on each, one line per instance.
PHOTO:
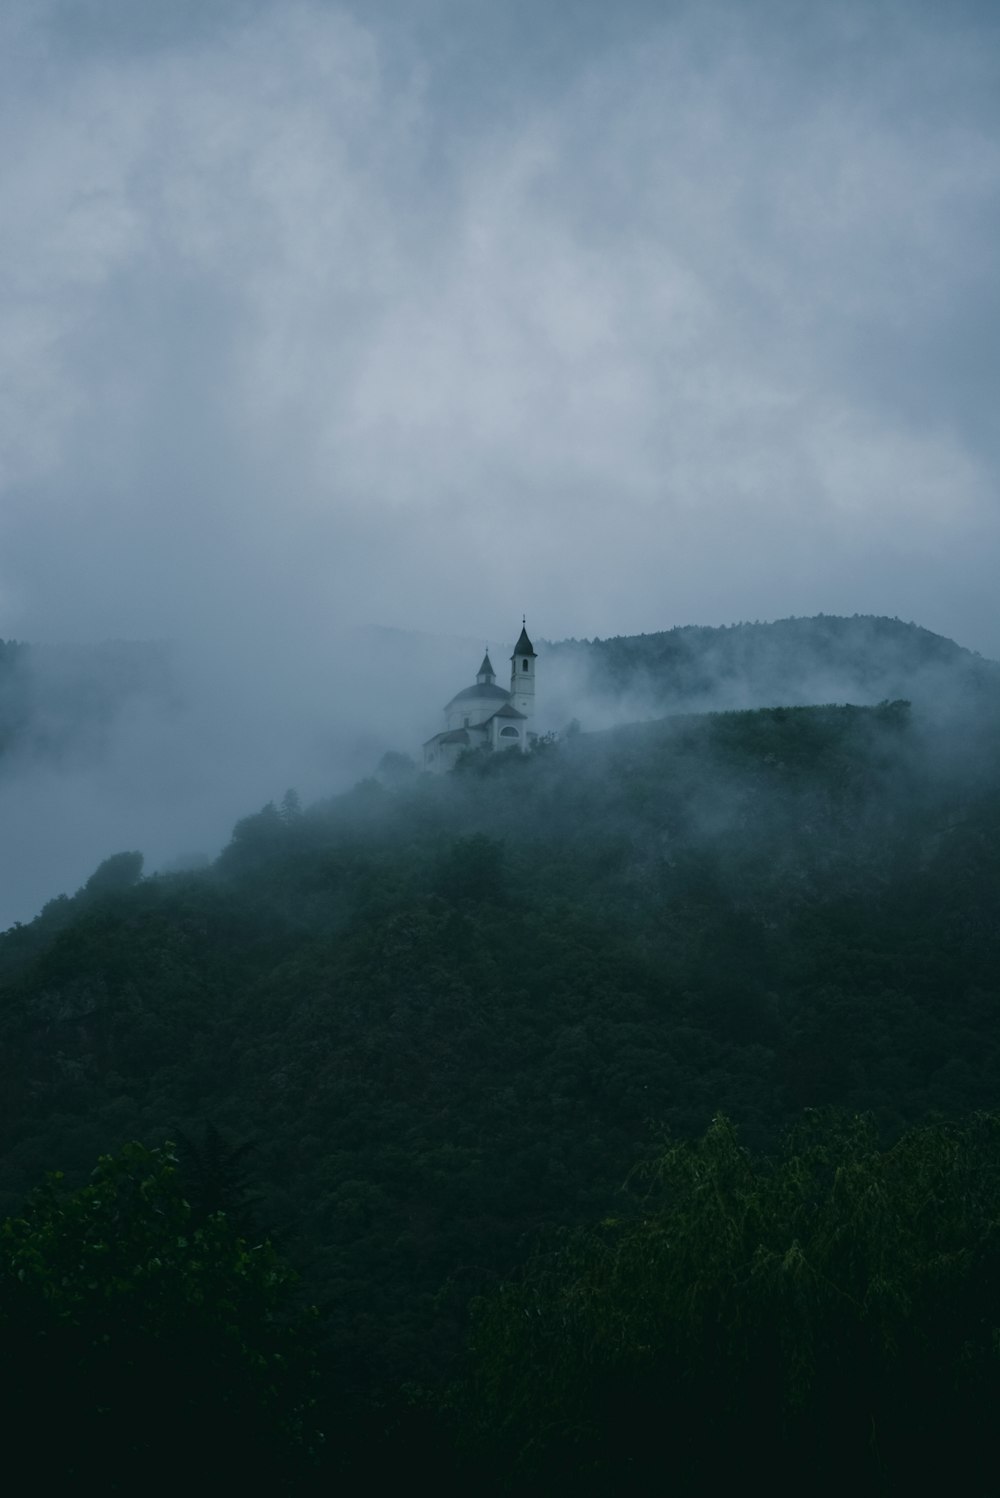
(477, 711)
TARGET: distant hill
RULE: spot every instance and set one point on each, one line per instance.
(865, 659)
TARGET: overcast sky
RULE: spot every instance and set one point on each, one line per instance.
(429, 312)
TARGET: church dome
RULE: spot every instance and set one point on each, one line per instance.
(486, 691)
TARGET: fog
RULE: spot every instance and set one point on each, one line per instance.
(336, 336)
(167, 756)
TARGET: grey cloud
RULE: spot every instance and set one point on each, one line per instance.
(286, 304)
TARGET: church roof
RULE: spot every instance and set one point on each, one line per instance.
(486, 668)
(508, 711)
(484, 689)
(454, 736)
(524, 645)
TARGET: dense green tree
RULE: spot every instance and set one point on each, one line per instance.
(149, 1345)
(291, 805)
(395, 768)
(473, 869)
(823, 1321)
(214, 1176)
(118, 872)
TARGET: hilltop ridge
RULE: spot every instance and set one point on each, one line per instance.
(790, 662)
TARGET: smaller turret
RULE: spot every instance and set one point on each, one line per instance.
(486, 674)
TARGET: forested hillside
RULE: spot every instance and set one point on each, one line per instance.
(863, 659)
(451, 1013)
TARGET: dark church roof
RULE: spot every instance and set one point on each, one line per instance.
(524, 645)
(507, 711)
(456, 736)
(486, 668)
(487, 689)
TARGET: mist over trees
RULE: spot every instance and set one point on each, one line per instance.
(790, 662)
(165, 747)
(454, 1014)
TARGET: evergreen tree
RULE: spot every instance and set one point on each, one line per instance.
(153, 1349)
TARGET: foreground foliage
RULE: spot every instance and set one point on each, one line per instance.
(149, 1343)
(825, 1321)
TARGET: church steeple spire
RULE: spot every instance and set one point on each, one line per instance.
(486, 672)
(524, 645)
(522, 673)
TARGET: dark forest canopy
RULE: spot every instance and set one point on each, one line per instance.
(820, 1320)
(453, 1013)
(145, 1338)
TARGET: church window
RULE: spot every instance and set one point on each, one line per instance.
(524, 665)
(508, 733)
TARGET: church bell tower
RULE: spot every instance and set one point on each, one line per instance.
(522, 675)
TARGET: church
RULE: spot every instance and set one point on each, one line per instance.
(485, 716)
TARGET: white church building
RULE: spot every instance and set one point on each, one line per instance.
(486, 716)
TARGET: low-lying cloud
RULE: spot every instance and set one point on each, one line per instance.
(687, 324)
